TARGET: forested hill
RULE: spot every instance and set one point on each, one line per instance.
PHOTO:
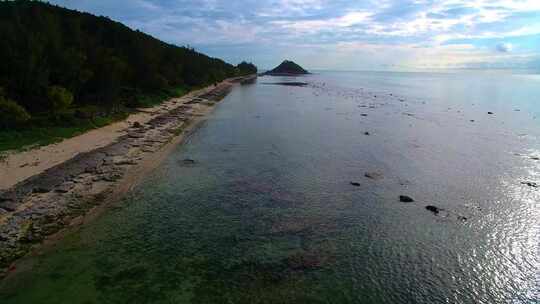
(54, 59)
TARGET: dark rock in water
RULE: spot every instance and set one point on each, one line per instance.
(287, 68)
(405, 199)
(366, 133)
(531, 184)
(373, 175)
(188, 161)
(355, 184)
(363, 114)
(535, 158)
(433, 209)
(462, 218)
(490, 113)
(472, 120)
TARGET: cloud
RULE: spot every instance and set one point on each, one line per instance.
(402, 32)
(504, 47)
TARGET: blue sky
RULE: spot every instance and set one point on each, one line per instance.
(339, 34)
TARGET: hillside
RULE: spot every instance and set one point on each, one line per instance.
(63, 68)
(287, 67)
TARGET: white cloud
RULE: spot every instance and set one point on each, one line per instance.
(329, 32)
(314, 26)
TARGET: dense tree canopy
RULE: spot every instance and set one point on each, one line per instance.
(50, 53)
(247, 68)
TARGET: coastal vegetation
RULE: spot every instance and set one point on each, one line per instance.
(65, 72)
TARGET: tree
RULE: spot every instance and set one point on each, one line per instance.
(93, 61)
(11, 114)
(245, 68)
(60, 98)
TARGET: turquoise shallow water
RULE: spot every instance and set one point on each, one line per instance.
(268, 215)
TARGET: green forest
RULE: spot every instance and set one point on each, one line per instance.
(64, 72)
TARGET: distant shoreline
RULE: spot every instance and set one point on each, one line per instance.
(75, 189)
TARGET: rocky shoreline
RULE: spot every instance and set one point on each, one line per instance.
(44, 204)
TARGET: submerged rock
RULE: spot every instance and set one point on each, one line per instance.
(531, 184)
(355, 184)
(433, 209)
(491, 113)
(405, 199)
(188, 161)
(373, 175)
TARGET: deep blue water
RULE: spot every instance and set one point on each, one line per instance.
(268, 213)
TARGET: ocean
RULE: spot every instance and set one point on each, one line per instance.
(294, 197)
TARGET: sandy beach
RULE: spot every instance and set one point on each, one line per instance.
(19, 166)
(46, 189)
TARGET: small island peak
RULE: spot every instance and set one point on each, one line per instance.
(287, 68)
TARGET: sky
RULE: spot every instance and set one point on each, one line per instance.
(342, 34)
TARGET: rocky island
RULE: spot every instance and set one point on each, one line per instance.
(287, 68)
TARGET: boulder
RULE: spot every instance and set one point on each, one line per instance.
(188, 161)
(433, 209)
(373, 175)
(405, 199)
(531, 184)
